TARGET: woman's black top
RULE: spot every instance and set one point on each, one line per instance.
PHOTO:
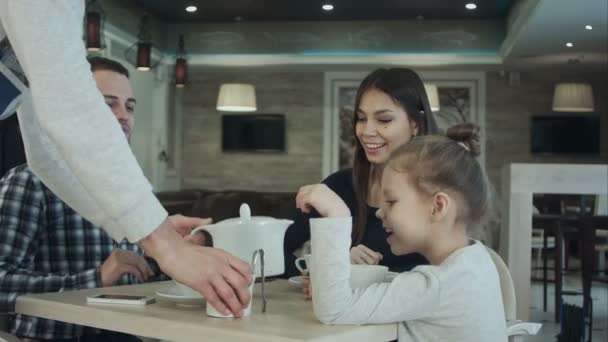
(374, 238)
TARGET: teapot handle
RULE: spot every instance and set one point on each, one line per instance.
(203, 230)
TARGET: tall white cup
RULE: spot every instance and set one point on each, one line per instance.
(258, 254)
(211, 311)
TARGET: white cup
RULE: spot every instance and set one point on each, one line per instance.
(258, 256)
(362, 276)
(306, 258)
(212, 312)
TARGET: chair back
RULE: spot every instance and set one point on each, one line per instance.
(506, 286)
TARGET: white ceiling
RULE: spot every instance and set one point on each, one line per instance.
(543, 27)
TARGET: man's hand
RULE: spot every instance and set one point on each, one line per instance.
(361, 254)
(222, 278)
(323, 199)
(124, 262)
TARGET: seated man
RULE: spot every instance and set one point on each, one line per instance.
(46, 246)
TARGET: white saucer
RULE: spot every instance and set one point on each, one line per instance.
(173, 294)
(297, 280)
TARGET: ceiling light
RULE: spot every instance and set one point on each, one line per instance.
(191, 9)
(470, 6)
(589, 27)
(568, 44)
(328, 7)
(181, 64)
(94, 20)
(140, 53)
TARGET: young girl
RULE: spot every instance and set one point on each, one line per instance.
(434, 193)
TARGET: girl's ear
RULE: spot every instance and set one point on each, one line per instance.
(441, 204)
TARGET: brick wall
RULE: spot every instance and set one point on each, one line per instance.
(299, 95)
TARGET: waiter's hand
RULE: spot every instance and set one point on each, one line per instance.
(222, 278)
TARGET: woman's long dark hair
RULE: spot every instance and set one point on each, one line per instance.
(405, 87)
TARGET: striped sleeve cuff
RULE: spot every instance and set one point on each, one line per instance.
(88, 279)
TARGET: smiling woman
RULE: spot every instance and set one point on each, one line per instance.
(390, 107)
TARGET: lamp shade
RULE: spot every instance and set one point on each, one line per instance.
(433, 94)
(181, 72)
(93, 31)
(236, 97)
(144, 56)
(181, 65)
(573, 97)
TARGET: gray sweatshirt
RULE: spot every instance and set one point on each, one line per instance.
(72, 141)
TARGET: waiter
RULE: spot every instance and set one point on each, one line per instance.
(78, 150)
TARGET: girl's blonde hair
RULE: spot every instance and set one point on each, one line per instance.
(447, 163)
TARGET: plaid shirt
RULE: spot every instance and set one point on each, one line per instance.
(8, 59)
(45, 246)
(10, 93)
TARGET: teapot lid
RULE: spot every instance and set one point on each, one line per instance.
(245, 217)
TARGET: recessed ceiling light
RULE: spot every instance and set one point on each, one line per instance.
(568, 44)
(191, 9)
(589, 27)
(470, 6)
(327, 7)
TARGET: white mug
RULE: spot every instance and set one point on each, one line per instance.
(306, 258)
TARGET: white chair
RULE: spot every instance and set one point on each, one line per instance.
(516, 330)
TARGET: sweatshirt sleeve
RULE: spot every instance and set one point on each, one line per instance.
(72, 141)
(411, 295)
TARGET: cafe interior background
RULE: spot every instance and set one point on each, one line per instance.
(533, 74)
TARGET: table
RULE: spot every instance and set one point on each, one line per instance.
(289, 317)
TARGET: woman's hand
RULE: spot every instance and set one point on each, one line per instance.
(360, 254)
(323, 199)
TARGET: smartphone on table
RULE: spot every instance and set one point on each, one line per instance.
(119, 299)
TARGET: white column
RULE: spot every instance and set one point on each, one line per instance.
(520, 182)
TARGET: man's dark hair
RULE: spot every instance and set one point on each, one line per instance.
(102, 63)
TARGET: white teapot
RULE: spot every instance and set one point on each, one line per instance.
(243, 235)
